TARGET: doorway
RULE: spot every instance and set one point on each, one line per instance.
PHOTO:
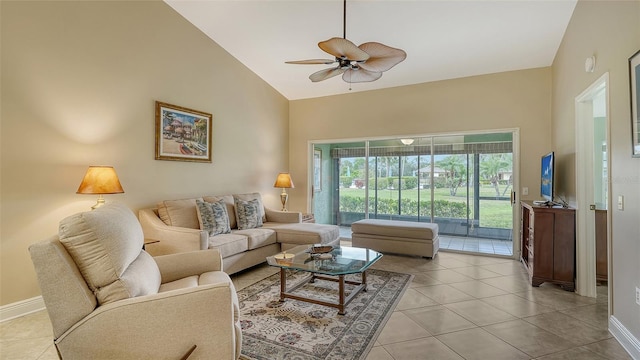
(593, 188)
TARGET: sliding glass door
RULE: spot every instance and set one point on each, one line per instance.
(462, 182)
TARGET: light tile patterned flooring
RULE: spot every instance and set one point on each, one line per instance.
(459, 306)
(479, 245)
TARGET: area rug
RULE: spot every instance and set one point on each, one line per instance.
(299, 330)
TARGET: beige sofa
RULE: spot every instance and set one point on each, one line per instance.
(175, 226)
(109, 299)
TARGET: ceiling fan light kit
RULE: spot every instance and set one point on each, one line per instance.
(364, 63)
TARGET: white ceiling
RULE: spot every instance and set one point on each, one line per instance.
(443, 39)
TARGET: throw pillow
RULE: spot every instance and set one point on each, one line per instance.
(213, 217)
(181, 213)
(249, 197)
(231, 211)
(248, 214)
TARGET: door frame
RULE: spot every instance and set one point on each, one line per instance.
(585, 223)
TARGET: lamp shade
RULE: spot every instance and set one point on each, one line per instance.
(100, 180)
(284, 181)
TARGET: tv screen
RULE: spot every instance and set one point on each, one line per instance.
(546, 180)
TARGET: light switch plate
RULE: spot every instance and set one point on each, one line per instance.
(525, 191)
(637, 295)
(620, 202)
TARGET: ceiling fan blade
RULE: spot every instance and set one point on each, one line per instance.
(343, 48)
(360, 75)
(326, 74)
(382, 57)
(311, 62)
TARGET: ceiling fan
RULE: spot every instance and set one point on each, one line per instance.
(362, 63)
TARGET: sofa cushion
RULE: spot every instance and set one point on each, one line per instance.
(231, 210)
(258, 237)
(213, 217)
(106, 245)
(229, 244)
(248, 214)
(181, 213)
(249, 197)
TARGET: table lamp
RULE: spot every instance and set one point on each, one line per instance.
(100, 180)
(284, 181)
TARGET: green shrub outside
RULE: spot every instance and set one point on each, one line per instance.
(409, 182)
(443, 208)
(346, 181)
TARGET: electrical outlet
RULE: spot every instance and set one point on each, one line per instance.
(525, 191)
(637, 295)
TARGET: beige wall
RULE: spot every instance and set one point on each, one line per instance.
(79, 82)
(610, 30)
(517, 99)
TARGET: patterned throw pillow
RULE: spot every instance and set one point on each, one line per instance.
(213, 217)
(248, 214)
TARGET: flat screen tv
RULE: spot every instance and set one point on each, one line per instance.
(546, 178)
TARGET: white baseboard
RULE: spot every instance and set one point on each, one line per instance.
(625, 338)
(21, 308)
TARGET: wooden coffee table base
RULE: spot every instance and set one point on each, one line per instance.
(342, 301)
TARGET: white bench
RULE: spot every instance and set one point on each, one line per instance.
(394, 236)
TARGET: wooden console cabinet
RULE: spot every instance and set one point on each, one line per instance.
(548, 239)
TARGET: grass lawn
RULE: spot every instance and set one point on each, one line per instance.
(493, 213)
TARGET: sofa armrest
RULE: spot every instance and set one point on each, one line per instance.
(172, 239)
(177, 266)
(282, 216)
(159, 326)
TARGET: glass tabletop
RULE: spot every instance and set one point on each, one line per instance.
(341, 260)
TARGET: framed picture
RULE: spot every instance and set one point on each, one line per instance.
(634, 79)
(183, 134)
(317, 170)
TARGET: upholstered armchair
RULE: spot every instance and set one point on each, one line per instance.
(108, 299)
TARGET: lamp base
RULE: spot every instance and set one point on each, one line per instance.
(99, 203)
(283, 198)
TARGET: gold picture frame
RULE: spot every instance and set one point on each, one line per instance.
(183, 134)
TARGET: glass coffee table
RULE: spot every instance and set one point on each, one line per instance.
(331, 265)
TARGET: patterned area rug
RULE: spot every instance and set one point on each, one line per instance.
(299, 330)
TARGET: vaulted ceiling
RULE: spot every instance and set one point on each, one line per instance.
(443, 39)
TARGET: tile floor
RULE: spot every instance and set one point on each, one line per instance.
(479, 245)
(459, 306)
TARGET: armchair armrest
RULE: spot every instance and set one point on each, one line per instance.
(159, 326)
(177, 266)
(172, 239)
(282, 216)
